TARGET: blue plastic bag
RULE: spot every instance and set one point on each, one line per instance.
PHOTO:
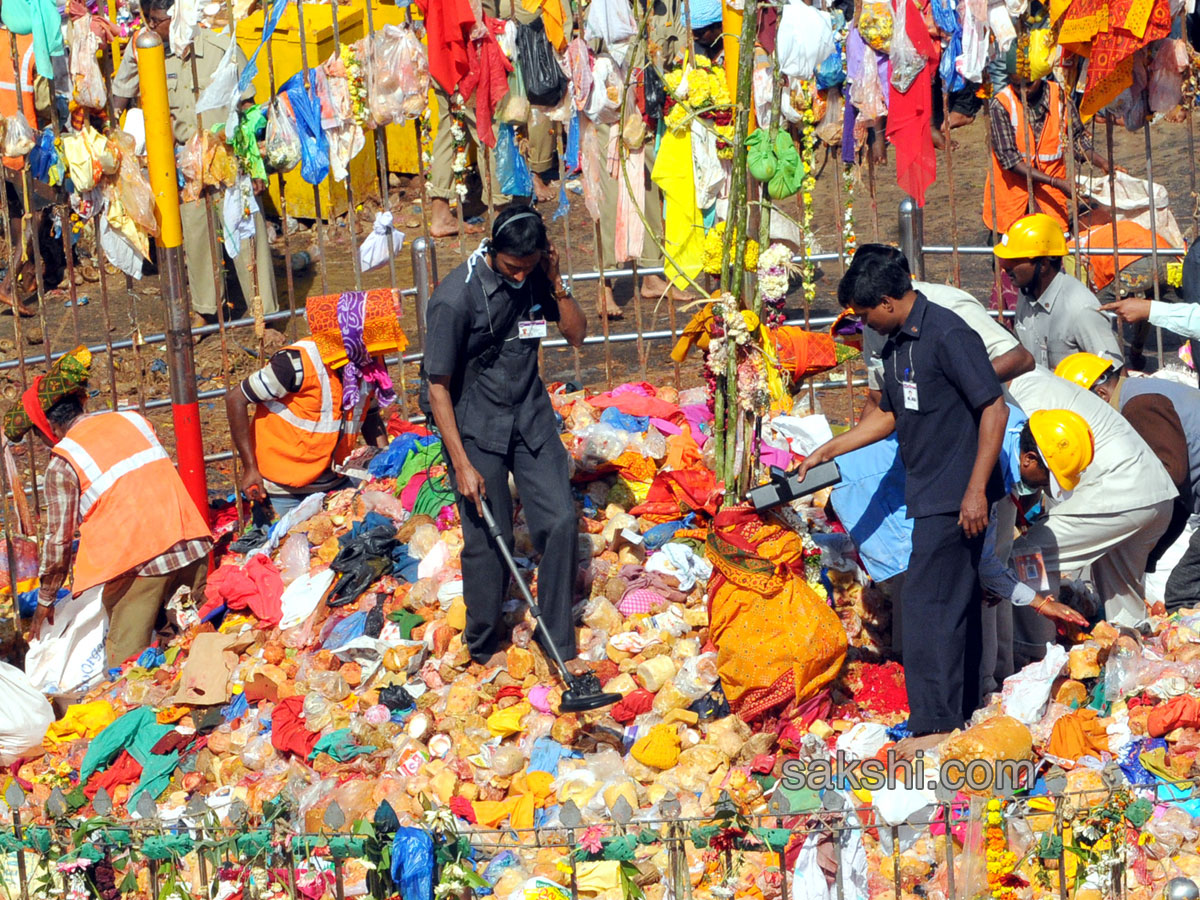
(832, 70)
(43, 156)
(511, 169)
(314, 146)
(412, 863)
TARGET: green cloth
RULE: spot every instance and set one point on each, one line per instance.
(339, 745)
(253, 843)
(41, 19)
(419, 459)
(778, 164)
(136, 731)
(161, 847)
(406, 621)
(342, 847)
(434, 494)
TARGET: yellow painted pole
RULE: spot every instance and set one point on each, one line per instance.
(164, 182)
(160, 139)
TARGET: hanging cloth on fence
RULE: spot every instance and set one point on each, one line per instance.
(630, 175)
(314, 148)
(269, 25)
(683, 227)
(448, 25)
(41, 19)
(909, 117)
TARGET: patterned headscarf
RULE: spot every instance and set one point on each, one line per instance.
(68, 375)
(352, 330)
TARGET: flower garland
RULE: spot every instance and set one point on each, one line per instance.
(714, 241)
(849, 239)
(1002, 879)
(775, 268)
(458, 133)
(426, 132)
(804, 99)
(737, 327)
(356, 84)
(700, 92)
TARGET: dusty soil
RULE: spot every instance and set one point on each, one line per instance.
(130, 310)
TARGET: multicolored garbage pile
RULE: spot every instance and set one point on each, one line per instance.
(320, 728)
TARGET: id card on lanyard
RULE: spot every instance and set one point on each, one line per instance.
(533, 328)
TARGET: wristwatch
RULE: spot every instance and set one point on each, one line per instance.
(43, 602)
(564, 291)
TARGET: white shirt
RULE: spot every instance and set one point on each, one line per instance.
(1124, 473)
(1181, 318)
(1065, 319)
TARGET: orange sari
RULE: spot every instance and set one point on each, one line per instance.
(777, 640)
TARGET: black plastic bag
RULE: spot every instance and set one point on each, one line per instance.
(545, 81)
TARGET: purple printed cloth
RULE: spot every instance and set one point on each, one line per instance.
(361, 366)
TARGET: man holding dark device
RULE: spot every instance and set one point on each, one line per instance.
(941, 396)
(481, 387)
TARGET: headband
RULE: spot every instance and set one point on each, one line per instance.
(527, 214)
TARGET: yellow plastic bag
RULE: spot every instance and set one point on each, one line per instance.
(505, 722)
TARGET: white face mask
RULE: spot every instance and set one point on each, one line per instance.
(513, 283)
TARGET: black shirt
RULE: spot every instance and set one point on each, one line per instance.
(947, 361)
(471, 337)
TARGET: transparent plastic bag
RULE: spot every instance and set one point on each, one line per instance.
(867, 93)
(830, 128)
(283, 141)
(19, 137)
(514, 107)
(600, 444)
(383, 78)
(133, 190)
(85, 72)
(413, 73)
(907, 63)
(294, 558)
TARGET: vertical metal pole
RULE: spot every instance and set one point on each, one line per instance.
(1112, 199)
(949, 813)
(424, 266)
(896, 862)
(912, 236)
(871, 188)
(950, 187)
(599, 242)
(1153, 234)
(351, 211)
(309, 91)
(164, 180)
(566, 251)
(283, 209)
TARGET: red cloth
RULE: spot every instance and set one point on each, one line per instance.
(1178, 712)
(636, 405)
(640, 701)
(509, 690)
(672, 493)
(488, 80)
(288, 734)
(124, 770)
(910, 114)
(462, 808)
(397, 425)
(448, 25)
(256, 587)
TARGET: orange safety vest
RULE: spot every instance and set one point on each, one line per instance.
(297, 438)
(13, 98)
(1012, 190)
(1129, 234)
(132, 501)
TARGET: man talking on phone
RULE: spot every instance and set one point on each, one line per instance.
(481, 387)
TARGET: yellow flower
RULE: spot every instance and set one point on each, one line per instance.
(703, 62)
(750, 262)
(698, 88)
(673, 80)
(677, 118)
(1145, 838)
(1175, 274)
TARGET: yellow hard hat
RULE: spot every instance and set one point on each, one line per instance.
(1031, 237)
(1085, 369)
(1065, 441)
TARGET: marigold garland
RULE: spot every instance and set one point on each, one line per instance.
(1002, 879)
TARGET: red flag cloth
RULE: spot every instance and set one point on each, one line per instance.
(255, 587)
(462, 808)
(288, 734)
(910, 114)
(488, 79)
(124, 770)
(448, 25)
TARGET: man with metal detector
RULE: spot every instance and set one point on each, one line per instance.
(481, 386)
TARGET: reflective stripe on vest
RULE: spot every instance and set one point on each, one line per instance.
(100, 481)
(1011, 105)
(329, 423)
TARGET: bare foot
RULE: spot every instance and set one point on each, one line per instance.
(910, 746)
(443, 222)
(578, 667)
(541, 190)
(654, 287)
(960, 120)
(609, 307)
(497, 659)
(8, 298)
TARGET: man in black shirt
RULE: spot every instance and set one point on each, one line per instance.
(942, 398)
(481, 387)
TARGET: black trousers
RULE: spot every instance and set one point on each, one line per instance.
(941, 638)
(544, 486)
(1183, 584)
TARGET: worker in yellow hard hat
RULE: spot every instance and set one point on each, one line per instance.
(1091, 540)
(1056, 315)
(1056, 446)
(1167, 416)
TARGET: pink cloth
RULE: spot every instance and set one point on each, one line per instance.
(640, 601)
(667, 428)
(408, 496)
(636, 404)
(256, 587)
